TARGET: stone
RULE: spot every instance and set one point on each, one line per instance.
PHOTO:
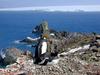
(98, 55)
(11, 55)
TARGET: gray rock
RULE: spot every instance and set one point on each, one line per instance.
(11, 55)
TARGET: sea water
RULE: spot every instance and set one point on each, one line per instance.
(16, 25)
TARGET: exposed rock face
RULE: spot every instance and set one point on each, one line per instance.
(42, 28)
(11, 55)
(70, 64)
(60, 41)
(64, 40)
(92, 54)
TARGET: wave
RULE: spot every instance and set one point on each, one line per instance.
(17, 42)
(2, 53)
(21, 43)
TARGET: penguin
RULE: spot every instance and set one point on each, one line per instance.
(40, 52)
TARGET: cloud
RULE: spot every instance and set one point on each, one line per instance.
(57, 8)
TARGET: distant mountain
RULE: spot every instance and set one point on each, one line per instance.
(88, 8)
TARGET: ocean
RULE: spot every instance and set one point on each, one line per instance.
(16, 25)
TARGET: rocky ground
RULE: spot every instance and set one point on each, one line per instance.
(79, 62)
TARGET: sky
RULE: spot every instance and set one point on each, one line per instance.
(41, 3)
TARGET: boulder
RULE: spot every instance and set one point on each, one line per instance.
(11, 55)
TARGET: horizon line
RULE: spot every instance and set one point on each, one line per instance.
(56, 8)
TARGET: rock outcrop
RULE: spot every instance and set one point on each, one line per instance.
(9, 56)
(69, 64)
(42, 28)
(59, 41)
